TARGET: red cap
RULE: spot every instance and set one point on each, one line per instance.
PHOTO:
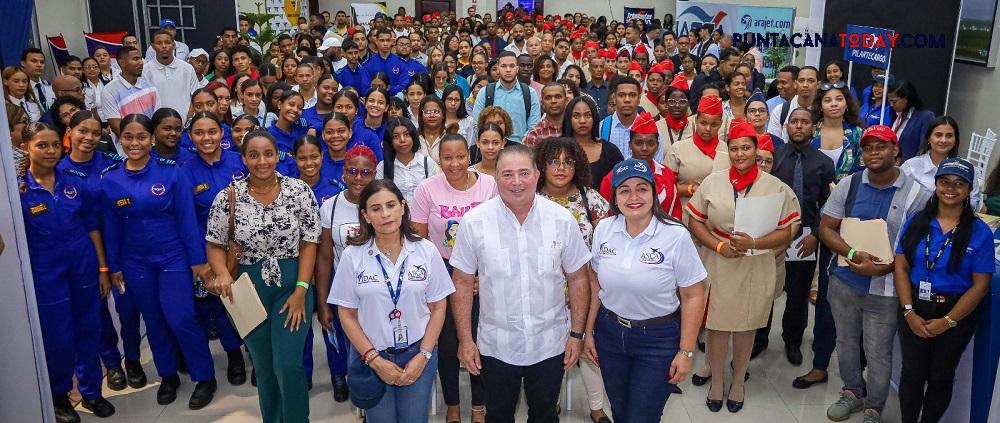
(738, 128)
(623, 52)
(408, 18)
(574, 35)
(658, 68)
(680, 82)
(350, 31)
(711, 105)
(765, 143)
(667, 64)
(539, 18)
(880, 132)
(608, 53)
(592, 44)
(509, 15)
(426, 18)
(641, 48)
(644, 124)
(546, 26)
(635, 66)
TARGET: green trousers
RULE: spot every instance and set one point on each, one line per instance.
(277, 351)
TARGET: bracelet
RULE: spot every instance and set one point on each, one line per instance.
(850, 254)
(907, 312)
(690, 189)
(366, 354)
(370, 357)
(303, 284)
(718, 247)
(754, 240)
(102, 269)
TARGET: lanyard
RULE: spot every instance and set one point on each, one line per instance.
(927, 251)
(394, 295)
(670, 132)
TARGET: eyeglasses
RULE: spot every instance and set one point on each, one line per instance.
(757, 111)
(827, 86)
(555, 163)
(676, 102)
(431, 112)
(353, 171)
(763, 161)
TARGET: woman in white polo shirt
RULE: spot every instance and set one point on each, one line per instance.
(651, 290)
(391, 288)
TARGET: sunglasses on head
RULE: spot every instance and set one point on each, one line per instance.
(828, 85)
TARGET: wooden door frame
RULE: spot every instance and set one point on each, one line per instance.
(419, 8)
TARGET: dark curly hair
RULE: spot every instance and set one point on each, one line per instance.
(551, 148)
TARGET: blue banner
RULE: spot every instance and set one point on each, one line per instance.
(868, 45)
(644, 14)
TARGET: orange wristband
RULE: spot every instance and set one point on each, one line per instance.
(690, 189)
(718, 247)
(102, 269)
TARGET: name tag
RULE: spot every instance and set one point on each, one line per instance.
(123, 202)
(200, 188)
(924, 290)
(399, 335)
(38, 209)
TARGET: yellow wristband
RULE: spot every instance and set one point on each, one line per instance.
(718, 247)
(690, 189)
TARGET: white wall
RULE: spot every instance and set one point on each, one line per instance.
(67, 17)
(974, 100)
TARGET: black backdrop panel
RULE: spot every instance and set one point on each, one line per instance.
(928, 69)
(199, 21)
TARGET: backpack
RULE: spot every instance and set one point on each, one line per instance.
(491, 91)
(606, 128)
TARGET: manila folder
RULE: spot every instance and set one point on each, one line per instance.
(245, 308)
(871, 236)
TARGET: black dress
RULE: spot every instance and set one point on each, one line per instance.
(610, 156)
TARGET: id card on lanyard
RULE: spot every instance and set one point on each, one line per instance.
(924, 287)
(400, 339)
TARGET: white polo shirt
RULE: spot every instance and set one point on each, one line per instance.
(639, 276)
(360, 284)
(522, 299)
(408, 176)
(342, 221)
(174, 82)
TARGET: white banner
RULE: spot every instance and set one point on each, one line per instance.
(365, 12)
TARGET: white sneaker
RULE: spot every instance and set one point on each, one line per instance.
(845, 406)
(872, 416)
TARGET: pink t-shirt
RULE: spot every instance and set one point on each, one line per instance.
(441, 207)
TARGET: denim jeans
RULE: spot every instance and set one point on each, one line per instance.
(406, 404)
(635, 364)
(867, 319)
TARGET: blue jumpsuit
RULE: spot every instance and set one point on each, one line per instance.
(152, 239)
(208, 180)
(286, 140)
(286, 165)
(313, 119)
(64, 267)
(182, 156)
(331, 170)
(336, 356)
(226, 143)
(128, 314)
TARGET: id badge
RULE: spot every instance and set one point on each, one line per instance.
(399, 336)
(924, 290)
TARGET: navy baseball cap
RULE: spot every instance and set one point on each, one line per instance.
(631, 168)
(168, 22)
(365, 386)
(958, 167)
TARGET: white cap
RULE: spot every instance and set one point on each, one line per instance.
(329, 42)
(198, 52)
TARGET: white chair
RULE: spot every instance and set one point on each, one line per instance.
(980, 151)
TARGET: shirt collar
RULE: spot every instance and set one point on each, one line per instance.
(408, 248)
(506, 211)
(161, 66)
(619, 226)
(898, 183)
(515, 88)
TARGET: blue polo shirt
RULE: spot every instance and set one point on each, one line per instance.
(393, 66)
(286, 140)
(871, 203)
(358, 78)
(979, 258)
(314, 119)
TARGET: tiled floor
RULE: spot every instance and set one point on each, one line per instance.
(770, 396)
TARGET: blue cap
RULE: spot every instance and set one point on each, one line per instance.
(168, 22)
(631, 168)
(365, 386)
(757, 96)
(958, 167)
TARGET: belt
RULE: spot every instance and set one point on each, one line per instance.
(941, 298)
(398, 351)
(636, 323)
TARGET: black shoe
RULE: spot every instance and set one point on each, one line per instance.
(116, 379)
(713, 405)
(99, 406)
(677, 390)
(253, 376)
(236, 371)
(734, 406)
(802, 383)
(134, 374)
(340, 390)
(794, 354)
(167, 392)
(203, 393)
(698, 380)
(64, 410)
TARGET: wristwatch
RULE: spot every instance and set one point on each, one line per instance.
(951, 322)
(577, 335)
(907, 307)
(426, 354)
(688, 354)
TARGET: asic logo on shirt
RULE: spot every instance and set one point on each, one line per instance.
(651, 257)
(604, 250)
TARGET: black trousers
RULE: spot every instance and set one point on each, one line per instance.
(928, 373)
(448, 358)
(798, 281)
(542, 382)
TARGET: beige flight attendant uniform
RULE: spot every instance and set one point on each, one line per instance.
(673, 137)
(648, 105)
(742, 289)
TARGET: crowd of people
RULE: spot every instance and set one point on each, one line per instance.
(519, 195)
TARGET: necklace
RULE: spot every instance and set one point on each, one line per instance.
(265, 190)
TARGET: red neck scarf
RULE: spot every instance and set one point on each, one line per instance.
(676, 125)
(740, 182)
(576, 54)
(707, 147)
(652, 97)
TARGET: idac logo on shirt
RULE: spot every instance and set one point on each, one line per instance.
(604, 250)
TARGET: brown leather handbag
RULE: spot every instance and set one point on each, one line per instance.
(233, 250)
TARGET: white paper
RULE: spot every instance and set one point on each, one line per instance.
(792, 253)
(245, 308)
(758, 216)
